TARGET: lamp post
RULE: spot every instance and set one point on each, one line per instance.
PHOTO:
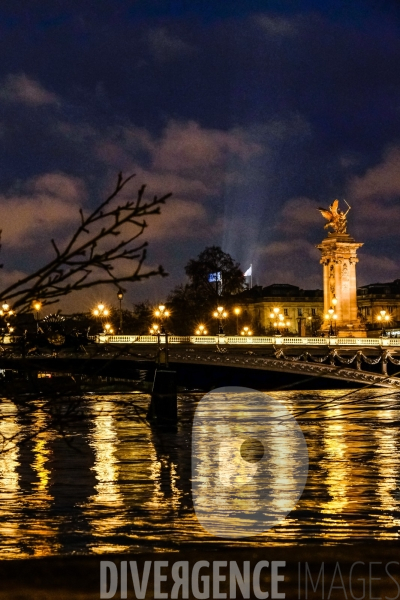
(120, 295)
(246, 331)
(201, 330)
(279, 320)
(7, 312)
(274, 315)
(383, 318)
(37, 306)
(155, 330)
(220, 314)
(237, 310)
(108, 329)
(161, 313)
(331, 316)
(310, 326)
(334, 303)
(281, 323)
(101, 311)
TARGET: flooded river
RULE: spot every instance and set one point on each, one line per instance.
(114, 484)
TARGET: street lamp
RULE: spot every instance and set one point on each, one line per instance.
(279, 320)
(237, 312)
(37, 306)
(331, 316)
(220, 314)
(108, 329)
(274, 315)
(310, 326)
(120, 295)
(101, 311)
(334, 303)
(281, 323)
(7, 312)
(246, 331)
(162, 313)
(383, 318)
(155, 330)
(201, 330)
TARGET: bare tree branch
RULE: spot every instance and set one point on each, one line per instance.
(91, 255)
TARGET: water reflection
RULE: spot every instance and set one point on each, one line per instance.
(388, 476)
(123, 486)
(105, 508)
(42, 452)
(9, 481)
(163, 473)
(336, 463)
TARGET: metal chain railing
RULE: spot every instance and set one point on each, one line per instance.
(334, 355)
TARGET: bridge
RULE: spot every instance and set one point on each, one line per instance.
(363, 361)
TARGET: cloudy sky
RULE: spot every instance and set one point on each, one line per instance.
(252, 113)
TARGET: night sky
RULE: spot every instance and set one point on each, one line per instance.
(252, 113)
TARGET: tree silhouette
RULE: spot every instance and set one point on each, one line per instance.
(194, 302)
(214, 260)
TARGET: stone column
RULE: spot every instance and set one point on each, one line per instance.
(339, 259)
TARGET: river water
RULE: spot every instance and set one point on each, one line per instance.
(114, 484)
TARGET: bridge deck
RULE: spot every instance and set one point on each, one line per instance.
(363, 365)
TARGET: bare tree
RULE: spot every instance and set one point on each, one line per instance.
(93, 252)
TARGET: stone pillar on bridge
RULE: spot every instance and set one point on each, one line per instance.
(339, 259)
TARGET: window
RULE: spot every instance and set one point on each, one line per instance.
(314, 312)
(299, 312)
(390, 309)
(285, 312)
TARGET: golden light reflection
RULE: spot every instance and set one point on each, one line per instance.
(142, 479)
(105, 509)
(35, 534)
(337, 467)
(42, 533)
(41, 453)
(9, 481)
(163, 474)
(388, 455)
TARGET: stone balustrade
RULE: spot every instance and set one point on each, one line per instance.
(248, 340)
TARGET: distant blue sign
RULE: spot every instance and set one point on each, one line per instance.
(215, 277)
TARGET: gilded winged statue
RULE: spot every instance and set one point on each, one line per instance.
(337, 219)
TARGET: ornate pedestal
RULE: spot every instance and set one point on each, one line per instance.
(339, 259)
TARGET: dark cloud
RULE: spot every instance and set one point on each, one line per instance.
(22, 89)
(166, 47)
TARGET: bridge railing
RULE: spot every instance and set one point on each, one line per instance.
(141, 339)
(203, 339)
(232, 340)
(246, 340)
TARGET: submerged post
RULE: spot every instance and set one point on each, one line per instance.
(163, 409)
